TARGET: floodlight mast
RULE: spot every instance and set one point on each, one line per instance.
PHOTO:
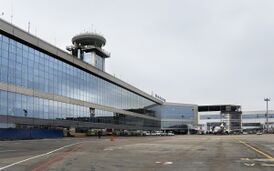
(266, 114)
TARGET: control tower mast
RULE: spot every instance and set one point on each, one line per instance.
(88, 47)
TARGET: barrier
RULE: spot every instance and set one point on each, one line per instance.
(32, 133)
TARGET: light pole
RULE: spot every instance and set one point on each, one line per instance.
(266, 114)
(183, 123)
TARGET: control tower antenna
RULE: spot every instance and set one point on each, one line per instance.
(11, 16)
(28, 27)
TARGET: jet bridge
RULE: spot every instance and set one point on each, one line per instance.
(230, 115)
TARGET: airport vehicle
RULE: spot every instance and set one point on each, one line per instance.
(91, 132)
(259, 133)
(158, 133)
(153, 133)
(163, 134)
(146, 133)
(170, 134)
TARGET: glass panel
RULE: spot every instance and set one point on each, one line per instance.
(24, 66)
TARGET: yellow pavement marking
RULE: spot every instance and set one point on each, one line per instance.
(257, 150)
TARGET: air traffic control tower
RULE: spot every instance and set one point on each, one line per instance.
(88, 47)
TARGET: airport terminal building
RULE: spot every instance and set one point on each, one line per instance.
(211, 116)
(43, 86)
(177, 117)
(249, 120)
(257, 120)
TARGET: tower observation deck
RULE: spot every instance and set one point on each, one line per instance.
(88, 47)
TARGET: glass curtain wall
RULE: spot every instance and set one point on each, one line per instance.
(24, 66)
(253, 116)
(15, 104)
(27, 67)
(175, 116)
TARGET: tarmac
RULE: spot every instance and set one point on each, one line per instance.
(180, 152)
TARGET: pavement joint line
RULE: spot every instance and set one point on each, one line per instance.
(257, 150)
(3, 151)
(40, 155)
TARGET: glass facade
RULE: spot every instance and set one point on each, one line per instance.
(93, 59)
(175, 116)
(252, 124)
(88, 57)
(15, 104)
(174, 124)
(212, 116)
(176, 112)
(24, 66)
(254, 116)
(99, 62)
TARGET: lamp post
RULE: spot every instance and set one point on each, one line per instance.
(266, 114)
(182, 116)
(25, 112)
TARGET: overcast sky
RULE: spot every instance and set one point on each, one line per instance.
(188, 51)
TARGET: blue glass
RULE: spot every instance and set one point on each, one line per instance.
(254, 116)
(47, 74)
(174, 116)
(211, 116)
(251, 124)
(25, 66)
(99, 63)
(174, 112)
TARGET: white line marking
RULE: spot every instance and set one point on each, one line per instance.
(168, 163)
(267, 165)
(40, 155)
(108, 149)
(249, 164)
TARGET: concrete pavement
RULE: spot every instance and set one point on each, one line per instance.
(193, 152)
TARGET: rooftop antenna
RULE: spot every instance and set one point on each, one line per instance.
(11, 16)
(35, 32)
(28, 27)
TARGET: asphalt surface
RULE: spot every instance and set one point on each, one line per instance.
(186, 152)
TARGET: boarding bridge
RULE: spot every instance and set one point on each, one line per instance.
(230, 115)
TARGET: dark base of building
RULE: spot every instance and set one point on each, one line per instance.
(29, 133)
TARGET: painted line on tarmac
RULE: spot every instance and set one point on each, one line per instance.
(267, 165)
(257, 150)
(40, 155)
(56, 158)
